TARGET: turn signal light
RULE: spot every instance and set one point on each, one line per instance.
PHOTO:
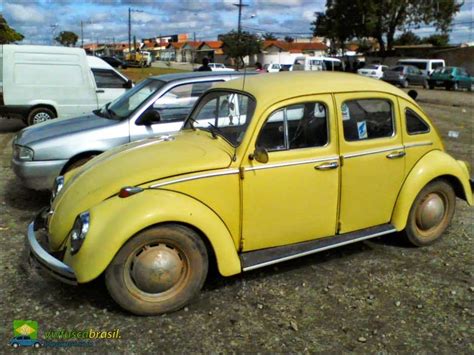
(129, 191)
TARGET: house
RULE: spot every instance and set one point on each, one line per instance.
(283, 52)
(189, 51)
(173, 52)
(212, 50)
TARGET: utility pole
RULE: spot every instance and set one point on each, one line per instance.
(130, 10)
(240, 6)
(82, 34)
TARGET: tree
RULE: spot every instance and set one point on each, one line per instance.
(437, 40)
(381, 19)
(407, 38)
(238, 46)
(67, 38)
(269, 36)
(8, 34)
(289, 39)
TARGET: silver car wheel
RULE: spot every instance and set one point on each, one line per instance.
(41, 117)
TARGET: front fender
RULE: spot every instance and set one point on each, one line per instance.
(433, 165)
(114, 221)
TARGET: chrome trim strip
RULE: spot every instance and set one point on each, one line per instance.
(317, 250)
(300, 162)
(422, 144)
(201, 176)
(370, 152)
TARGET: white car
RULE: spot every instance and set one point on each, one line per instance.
(272, 67)
(373, 71)
(219, 67)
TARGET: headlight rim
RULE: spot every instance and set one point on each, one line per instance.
(57, 187)
(79, 231)
(20, 149)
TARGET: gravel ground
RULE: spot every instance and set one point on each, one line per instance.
(374, 296)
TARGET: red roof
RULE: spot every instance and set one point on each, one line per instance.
(212, 44)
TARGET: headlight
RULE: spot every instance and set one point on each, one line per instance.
(58, 185)
(79, 232)
(23, 153)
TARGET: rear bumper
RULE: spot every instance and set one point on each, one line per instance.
(40, 256)
(37, 175)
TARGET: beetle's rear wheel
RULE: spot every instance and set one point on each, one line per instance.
(159, 270)
(431, 213)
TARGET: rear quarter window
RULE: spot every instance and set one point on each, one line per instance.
(414, 123)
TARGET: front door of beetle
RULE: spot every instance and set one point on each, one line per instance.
(293, 196)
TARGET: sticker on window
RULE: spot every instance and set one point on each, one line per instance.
(362, 129)
(346, 116)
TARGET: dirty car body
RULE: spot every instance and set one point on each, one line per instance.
(44, 151)
(293, 164)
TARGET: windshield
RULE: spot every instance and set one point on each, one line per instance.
(397, 68)
(223, 113)
(444, 70)
(127, 103)
(372, 67)
(419, 65)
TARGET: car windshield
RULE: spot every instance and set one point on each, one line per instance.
(372, 67)
(127, 103)
(444, 70)
(398, 68)
(223, 113)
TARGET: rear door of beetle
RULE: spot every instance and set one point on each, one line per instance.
(373, 158)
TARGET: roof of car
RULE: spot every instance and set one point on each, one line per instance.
(193, 74)
(274, 87)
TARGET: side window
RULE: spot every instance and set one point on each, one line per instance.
(367, 119)
(296, 126)
(107, 79)
(176, 104)
(415, 124)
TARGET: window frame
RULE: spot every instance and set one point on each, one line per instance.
(106, 71)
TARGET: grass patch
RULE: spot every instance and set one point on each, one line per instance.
(138, 74)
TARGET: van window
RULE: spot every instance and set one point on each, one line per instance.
(47, 74)
(419, 65)
(107, 79)
(435, 65)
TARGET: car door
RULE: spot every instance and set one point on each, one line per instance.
(373, 159)
(173, 106)
(464, 78)
(293, 197)
(109, 85)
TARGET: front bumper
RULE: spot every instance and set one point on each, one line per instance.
(39, 255)
(37, 175)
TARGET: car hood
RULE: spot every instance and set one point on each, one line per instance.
(59, 128)
(133, 164)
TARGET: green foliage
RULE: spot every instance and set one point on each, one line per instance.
(8, 34)
(289, 39)
(67, 38)
(380, 19)
(407, 38)
(269, 36)
(437, 40)
(238, 46)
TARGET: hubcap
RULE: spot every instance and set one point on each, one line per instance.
(157, 268)
(41, 117)
(430, 212)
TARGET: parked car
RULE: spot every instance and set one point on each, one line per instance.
(272, 67)
(114, 62)
(373, 71)
(24, 340)
(286, 67)
(39, 83)
(287, 165)
(452, 78)
(318, 63)
(219, 67)
(427, 66)
(404, 75)
(42, 152)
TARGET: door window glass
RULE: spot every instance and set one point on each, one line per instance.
(295, 126)
(415, 124)
(107, 79)
(367, 119)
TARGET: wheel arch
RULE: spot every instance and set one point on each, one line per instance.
(77, 157)
(434, 165)
(45, 105)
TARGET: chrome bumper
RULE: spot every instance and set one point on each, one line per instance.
(54, 267)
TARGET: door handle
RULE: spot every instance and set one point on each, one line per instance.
(100, 91)
(396, 155)
(327, 166)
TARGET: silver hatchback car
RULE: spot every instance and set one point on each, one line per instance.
(157, 105)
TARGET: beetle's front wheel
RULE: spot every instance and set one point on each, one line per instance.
(431, 213)
(159, 270)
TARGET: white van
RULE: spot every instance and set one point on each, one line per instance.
(38, 83)
(318, 63)
(427, 66)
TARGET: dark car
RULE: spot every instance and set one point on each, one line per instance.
(451, 78)
(24, 340)
(404, 75)
(114, 61)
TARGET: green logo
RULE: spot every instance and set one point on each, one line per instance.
(25, 328)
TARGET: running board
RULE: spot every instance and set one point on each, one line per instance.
(259, 258)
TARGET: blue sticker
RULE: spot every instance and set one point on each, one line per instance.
(362, 129)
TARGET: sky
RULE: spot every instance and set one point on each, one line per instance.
(107, 20)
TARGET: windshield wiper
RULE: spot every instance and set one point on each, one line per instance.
(214, 130)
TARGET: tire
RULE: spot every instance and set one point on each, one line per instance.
(425, 84)
(40, 114)
(470, 87)
(15, 345)
(176, 279)
(78, 163)
(431, 86)
(37, 345)
(405, 84)
(430, 213)
(455, 86)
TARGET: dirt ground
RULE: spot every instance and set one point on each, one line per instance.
(378, 296)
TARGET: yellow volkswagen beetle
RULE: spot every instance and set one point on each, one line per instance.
(266, 169)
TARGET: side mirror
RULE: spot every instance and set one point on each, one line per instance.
(413, 94)
(260, 155)
(148, 118)
(128, 84)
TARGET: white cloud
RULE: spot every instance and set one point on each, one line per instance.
(25, 14)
